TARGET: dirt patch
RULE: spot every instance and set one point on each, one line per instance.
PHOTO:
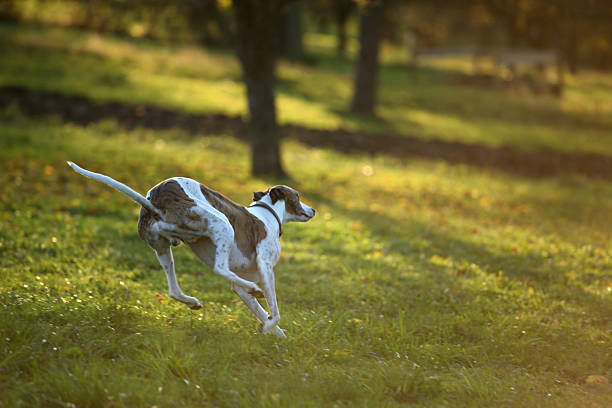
(540, 163)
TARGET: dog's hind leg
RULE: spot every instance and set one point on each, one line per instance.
(255, 307)
(167, 261)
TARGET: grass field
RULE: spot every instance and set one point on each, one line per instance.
(418, 283)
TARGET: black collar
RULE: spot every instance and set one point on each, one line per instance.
(267, 207)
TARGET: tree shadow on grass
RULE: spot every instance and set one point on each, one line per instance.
(83, 111)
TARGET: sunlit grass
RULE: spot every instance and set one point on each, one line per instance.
(417, 283)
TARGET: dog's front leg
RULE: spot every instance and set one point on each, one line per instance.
(267, 283)
(167, 261)
(255, 307)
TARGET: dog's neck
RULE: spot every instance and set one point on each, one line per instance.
(274, 212)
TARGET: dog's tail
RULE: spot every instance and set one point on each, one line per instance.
(117, 186)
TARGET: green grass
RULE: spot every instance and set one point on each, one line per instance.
(418, 283)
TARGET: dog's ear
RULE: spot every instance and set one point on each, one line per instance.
(277, 194)
(257, 195)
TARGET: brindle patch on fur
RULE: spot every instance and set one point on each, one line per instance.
(291, 197)
(176, 205)
(248, 229)
(169, 196)
(147, 233)
(145, 220)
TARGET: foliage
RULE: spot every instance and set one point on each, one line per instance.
(579, 30)
(204, 21)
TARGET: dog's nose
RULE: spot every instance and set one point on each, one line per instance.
(313, 212)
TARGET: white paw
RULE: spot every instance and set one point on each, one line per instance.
(191, 302)
(280, 332)
(196, 305)
(269, 325)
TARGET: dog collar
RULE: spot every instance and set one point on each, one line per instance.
(267, 207)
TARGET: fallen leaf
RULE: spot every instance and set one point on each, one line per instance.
(378, 254)
(596, 379)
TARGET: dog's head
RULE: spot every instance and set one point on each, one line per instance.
(295, 210)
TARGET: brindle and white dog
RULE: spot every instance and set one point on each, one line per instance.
(241, 244)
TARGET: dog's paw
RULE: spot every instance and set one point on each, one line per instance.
(280, 332)
(270, 326)
(277, 330)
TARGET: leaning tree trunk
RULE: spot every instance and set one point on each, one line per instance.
(292, 45)
(257, 23)
(341, 45)
(366, 80)
(342, 10)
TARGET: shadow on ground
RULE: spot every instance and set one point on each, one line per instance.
(541, 163)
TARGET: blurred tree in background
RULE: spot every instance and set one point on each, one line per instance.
(257, 44)
(324, 12)
(342, 10)
(291, 42)
(366, 78)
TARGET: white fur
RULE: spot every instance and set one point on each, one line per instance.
(117, 186)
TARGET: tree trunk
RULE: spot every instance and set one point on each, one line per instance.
(342, 10)
(265, 143)
(572, 46)
(257, 24)
(341, 27)
(8, 11)
(292, 46)
(366, 80)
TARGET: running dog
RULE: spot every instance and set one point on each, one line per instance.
(240, 244)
